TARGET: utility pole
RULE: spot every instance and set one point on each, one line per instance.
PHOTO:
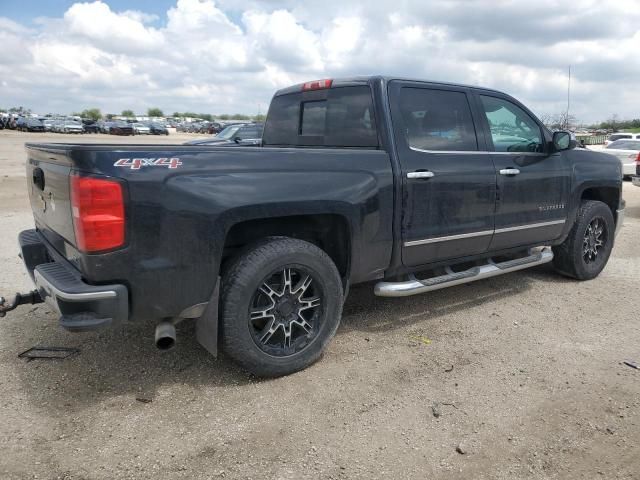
(568, 98)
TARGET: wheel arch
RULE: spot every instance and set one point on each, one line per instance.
(606, 194)
(330, 232)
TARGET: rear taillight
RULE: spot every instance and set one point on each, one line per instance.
(97, 206)
(638, 160)
(317, 85)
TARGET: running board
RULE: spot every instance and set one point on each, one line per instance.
(414, 286)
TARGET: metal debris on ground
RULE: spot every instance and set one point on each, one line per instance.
(144, 400)
(631, 364)
(421, 338)
(49, 353)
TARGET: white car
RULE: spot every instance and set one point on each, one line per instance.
(141, 129)
(70, 126)
(628, 152)
(621, 136)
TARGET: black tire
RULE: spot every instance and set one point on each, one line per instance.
(243, 284)
(575, 257)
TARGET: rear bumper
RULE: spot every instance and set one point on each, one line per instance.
(636, 181)
(81, 306)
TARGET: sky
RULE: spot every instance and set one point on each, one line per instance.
(230, 56)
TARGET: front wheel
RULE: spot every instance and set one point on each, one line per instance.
(586, 250)
(281, 304)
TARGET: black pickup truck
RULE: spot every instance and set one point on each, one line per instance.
(411, 184)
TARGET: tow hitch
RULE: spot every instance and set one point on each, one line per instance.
(30, 298)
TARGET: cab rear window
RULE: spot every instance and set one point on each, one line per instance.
(344, 118)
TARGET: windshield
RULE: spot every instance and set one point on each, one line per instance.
(625, 145)
(228, 132)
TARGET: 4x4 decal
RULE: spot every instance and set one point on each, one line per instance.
(138, 163)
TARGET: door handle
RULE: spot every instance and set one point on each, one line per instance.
(509, 171)
(422, 174)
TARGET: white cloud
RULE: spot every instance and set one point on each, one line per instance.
(231, 55)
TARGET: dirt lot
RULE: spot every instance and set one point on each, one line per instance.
(521, 373)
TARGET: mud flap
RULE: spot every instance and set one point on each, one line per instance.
(207, 324)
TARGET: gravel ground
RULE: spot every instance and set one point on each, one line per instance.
(518, 376)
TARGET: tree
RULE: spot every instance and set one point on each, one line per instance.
(109, 116)
(155, 112)
(261, 117)
(92, 113)
(128, 113)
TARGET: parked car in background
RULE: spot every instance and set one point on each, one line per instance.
(31, 125)
(70, 126)
(90, 126)
(628, 152)
(140, 129)
(158, 129)
(242, 134)
(20, 123)
(621, 136)
(121, 128)
(104, 126)
(48, 124)
(57, 126)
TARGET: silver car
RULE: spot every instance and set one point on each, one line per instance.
(628, 152)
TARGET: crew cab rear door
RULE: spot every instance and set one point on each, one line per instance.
(448, 177)
(533, 183)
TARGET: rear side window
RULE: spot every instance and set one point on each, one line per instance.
(437, 120)
(343, 119)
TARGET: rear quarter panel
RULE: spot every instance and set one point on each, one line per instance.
(178, 218)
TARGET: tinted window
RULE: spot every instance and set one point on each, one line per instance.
(437, 120)
(314, 118)
(250, 132)
(613, 138)
(344, 119)
(512, 129)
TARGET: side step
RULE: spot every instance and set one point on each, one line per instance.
(414, 286)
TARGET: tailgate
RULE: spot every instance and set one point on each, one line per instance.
(48, 187)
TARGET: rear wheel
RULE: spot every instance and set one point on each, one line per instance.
(586, 250)
(281, 304)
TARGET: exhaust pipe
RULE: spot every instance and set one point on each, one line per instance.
(165, 336)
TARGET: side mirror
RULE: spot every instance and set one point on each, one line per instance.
(237, 139)
(563, 141)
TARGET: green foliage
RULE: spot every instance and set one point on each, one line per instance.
(259, 118)
(128, 113)
(92, 113)
(109, 116)
(155, 112)
(614, 123)
(239, 116)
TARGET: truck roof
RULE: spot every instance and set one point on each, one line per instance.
(365, 79)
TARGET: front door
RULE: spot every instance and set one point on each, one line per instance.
(533, 184)
(448, 177)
